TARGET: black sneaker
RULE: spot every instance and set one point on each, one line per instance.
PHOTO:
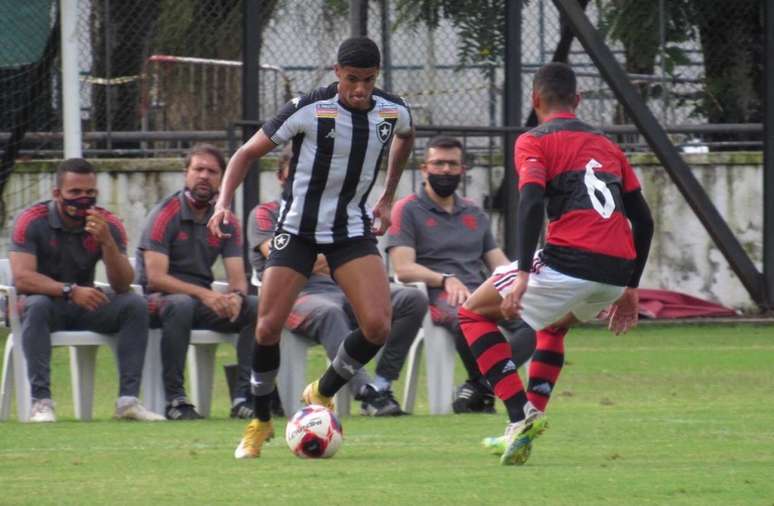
(243, 410)
(378, 403)
(246, 410)
(473, 397)
(181, 409)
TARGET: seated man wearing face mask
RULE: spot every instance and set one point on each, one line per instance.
(444, 241)
(55, 246)
(174, 265)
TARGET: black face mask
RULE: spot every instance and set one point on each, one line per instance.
(200, 200)
(444, 184)
(76, 208)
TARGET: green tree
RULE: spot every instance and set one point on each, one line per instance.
(479, 23)
(730, 35)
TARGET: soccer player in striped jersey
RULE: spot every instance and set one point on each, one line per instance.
(339, 136)
(597, 242)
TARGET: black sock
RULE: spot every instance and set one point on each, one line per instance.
(515, 406)
(265, 361)
(358, 351)
(262, 407)
(266, 358)
(468, 360)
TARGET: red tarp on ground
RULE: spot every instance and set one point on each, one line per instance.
(665, 304)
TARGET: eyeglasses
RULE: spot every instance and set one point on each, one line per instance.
(440, 164)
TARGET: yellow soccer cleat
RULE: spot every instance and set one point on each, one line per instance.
(256, 434)
(312, 395)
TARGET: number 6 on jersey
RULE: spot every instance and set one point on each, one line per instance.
(594, 185)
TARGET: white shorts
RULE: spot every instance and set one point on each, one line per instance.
(551, 295)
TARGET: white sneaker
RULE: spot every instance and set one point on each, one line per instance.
(519, 436)
(42, 411)
(133, 410)
(531, 413)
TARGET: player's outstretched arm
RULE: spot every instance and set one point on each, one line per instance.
(400, 150)
(258, 145)
(639, 215)
(624, 313)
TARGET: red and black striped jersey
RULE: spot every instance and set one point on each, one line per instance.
(584, 175)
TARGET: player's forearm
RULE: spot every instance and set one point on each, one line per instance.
(639, 215)
(529, 223)
(236, 170)
(399, 155)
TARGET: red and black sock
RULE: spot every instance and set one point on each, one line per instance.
(546, 365)
(493, 355)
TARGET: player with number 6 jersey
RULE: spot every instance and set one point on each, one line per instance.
(585, 176)
(598, 237)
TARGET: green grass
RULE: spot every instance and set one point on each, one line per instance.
(664, 415)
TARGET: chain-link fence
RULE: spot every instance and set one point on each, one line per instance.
(172, 65)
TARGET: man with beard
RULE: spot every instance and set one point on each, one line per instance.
(444, 241)
(174, 266)
(55, 246)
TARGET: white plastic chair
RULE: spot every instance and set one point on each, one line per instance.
(291, 380)
(440, 362)
(83, 357)
(200, 360)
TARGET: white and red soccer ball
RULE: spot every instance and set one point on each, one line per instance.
(314, 432)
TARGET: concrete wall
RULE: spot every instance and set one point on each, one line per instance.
(683, 258)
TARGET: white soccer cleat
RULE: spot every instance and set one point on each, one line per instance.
(42, 411)
(133, 410)
(519, 436)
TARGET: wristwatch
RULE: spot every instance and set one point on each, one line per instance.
(67, 290)
(444, 277)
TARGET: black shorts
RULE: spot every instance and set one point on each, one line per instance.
(288, 250)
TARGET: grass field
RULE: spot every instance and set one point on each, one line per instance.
(663, 415)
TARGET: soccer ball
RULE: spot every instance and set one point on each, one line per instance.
(314, 432)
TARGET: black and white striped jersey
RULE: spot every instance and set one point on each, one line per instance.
(337, 152)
